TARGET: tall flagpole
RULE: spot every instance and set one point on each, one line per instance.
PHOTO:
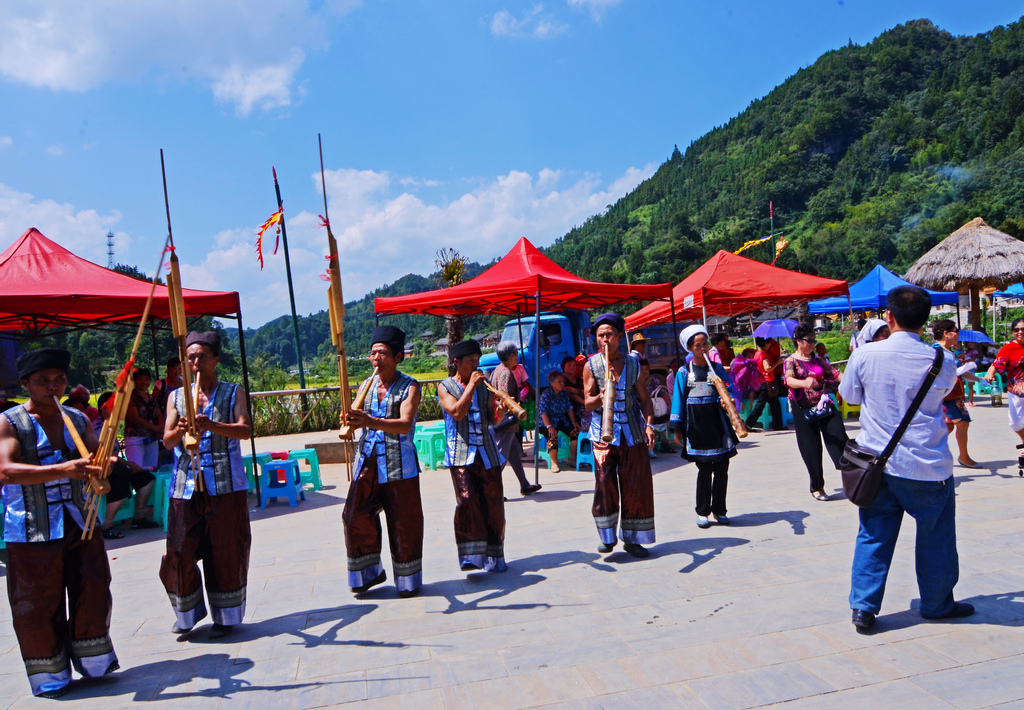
(291, 291)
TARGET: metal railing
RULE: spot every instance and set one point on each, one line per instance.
(318, 408)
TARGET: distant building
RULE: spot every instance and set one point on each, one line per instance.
(426, 336)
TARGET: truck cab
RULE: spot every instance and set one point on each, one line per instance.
(562, 334)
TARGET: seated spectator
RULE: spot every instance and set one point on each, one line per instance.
(78, 398)
(574, 386)
(124, 478)
(744, 376)
(661, 400)
(143, 424)
(555, 410)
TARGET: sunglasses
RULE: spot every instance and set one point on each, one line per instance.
(1018, 330)
(812, 341)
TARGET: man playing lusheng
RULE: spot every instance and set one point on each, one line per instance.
(472, 456)
(211, 524)
(387, 474)
(623, 466)
(884, 378)
(57, 583)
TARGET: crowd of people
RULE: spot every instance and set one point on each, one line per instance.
(43, 478)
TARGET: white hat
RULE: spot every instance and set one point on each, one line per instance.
(689, 332)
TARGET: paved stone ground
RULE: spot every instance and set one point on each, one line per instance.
(731, 617)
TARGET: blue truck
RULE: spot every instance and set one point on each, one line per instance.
(567, 334)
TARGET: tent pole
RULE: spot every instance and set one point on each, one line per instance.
(248, 403)
(536, 396)
(849, 303)
(675, 328)
(156, 360)
(958, 312)
(704, 310)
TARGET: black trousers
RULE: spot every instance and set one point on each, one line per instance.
(773, 407)
(712, 482)
(809, 436)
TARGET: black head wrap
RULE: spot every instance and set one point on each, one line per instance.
(44, 359)
(613, 319)
(210, 338)
(391, 336)
(464, 348)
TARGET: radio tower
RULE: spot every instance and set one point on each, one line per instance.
(110, 250)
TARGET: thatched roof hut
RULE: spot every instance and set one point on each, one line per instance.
(973, 257)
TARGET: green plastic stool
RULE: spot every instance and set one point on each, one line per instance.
(250, 473)
(312, 476)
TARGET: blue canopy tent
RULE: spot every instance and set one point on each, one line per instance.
(870, 292)
(1014, 291)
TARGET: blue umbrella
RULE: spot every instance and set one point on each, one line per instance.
(780, 328)
(974, 336)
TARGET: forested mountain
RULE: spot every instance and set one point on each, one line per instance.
(871, 155)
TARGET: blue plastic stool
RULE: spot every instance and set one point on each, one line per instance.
(272, 487)
(585, 451)
(313, 475)
(161, 503)
(563, 448)
(251, 471)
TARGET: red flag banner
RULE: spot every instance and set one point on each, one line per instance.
(275, 219)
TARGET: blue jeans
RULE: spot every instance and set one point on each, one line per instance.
(932, 504)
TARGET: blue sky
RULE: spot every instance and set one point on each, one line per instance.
(463, 123)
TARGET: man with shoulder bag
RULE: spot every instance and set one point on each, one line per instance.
(890, 379)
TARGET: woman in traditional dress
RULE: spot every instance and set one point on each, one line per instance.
(701, 427)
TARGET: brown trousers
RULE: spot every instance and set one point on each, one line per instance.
(60, 602)
(400, 502)
(479, 515)
(623, 473)
(214, 529)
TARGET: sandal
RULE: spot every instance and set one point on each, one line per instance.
(819, 495)
(111, 534)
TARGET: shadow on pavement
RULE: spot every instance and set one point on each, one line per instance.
(992, 609)
(794, 517)
(156, 681)
(695, 548)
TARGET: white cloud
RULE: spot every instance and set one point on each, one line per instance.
(535, 23)
(248, 53)
(5, 142)
(55, 150)
(384, 233)
(596, 8)
(82, 231)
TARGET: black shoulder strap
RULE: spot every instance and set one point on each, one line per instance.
(933, 372)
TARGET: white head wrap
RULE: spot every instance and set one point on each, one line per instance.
(689, 332)
(867, 333)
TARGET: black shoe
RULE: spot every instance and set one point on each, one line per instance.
(143, 524)
(604, 547)
(636, 550)
(379, 579)
(219, 631)
(780, 428)
(111, 534)
(530, 490)
(959, 611)
(754, 427)
(863, 620)
(179, 629)
(406, 593)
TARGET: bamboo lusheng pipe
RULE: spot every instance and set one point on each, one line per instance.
(125, 385)
(608, 404)
(510, 404)
(346, 428)
(727, 404)
(336, 313)
(192, 444)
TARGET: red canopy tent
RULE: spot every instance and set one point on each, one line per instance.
(728, 284)
(44, 285)
(522, 282)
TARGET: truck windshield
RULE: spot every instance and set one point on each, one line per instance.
(512, 332)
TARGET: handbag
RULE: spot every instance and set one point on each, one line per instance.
(774, 389)
(822, 411)
(861, 467)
